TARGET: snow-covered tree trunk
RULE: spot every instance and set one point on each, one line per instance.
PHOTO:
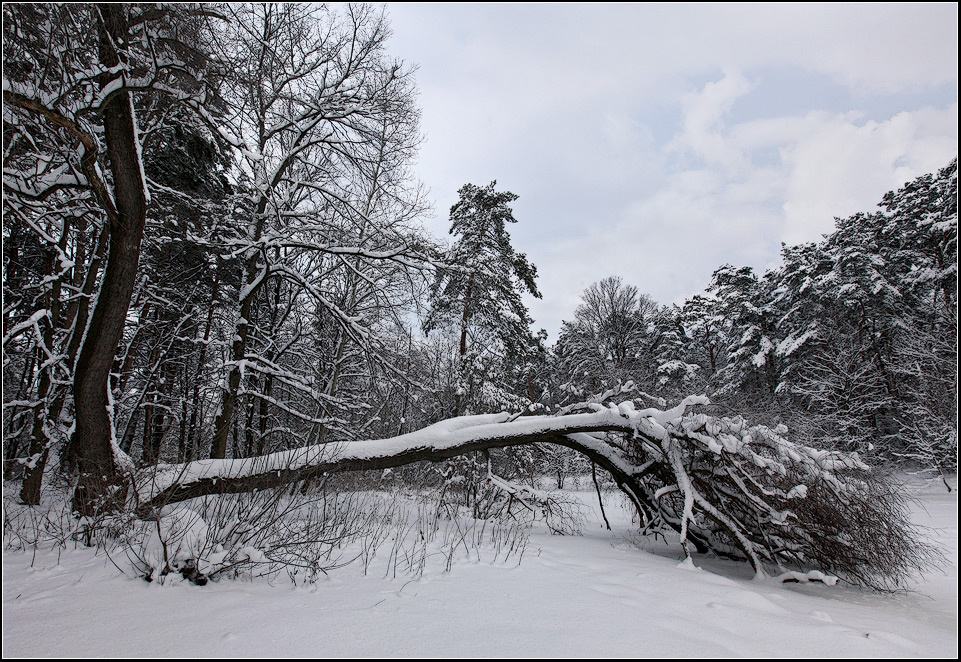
(93, 449)
(737, 490)
(70, 95)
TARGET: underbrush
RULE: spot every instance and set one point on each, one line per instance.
(300, 533)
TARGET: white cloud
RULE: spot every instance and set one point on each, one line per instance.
(619, 126)
(704, 113)
(838, 166)
(670, 242)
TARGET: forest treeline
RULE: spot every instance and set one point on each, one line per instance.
(851, 342)
(212, 249)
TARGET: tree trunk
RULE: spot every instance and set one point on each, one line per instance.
(40, 437)
(92, 451)
(264, 472)
(190, 446)
(218, 448)
(305, 464)
(458, 396)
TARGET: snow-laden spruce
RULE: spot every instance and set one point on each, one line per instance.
(737, 490)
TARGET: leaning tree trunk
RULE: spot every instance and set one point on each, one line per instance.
(92, 451)
(740, 491)
(169, 484)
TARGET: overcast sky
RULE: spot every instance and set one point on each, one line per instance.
(658, 142)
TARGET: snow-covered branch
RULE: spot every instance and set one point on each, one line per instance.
(739, 490)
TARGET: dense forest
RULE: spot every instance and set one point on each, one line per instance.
(212, 250)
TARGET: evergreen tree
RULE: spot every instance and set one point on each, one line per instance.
(750, 374)
(480, 296)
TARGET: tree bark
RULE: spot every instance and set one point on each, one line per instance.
(218, 448)
(91, 451)
(458, 396)
(265, 472)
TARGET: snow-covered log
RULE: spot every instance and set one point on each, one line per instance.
(737, 490)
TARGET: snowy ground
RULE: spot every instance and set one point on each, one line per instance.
(594, 595)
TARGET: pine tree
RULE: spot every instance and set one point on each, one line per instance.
(751, 371)
(480, 295)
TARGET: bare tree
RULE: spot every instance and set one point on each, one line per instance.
(323, 115)
(77, 70)
(611, 339)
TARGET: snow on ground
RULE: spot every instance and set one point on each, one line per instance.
(600, 594)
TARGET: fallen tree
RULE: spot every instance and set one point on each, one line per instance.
(740, 491)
